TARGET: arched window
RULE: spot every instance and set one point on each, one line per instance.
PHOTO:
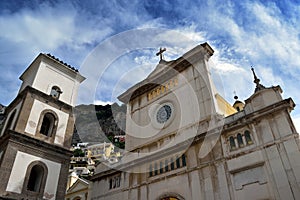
(177, 162)
(118, 181)
(10, 120)
(48, 124)
(169, 198)
(150, 170)
(248, 137)
(115, 182)
(240, 140)
(55, 92)
(110, 183)
(35, 179)
(161, 167)
(166, 165)
(155, 169)
(183, 160)
(232, 143)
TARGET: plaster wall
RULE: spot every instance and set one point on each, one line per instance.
(47, 77)
(37, 108)
(192, 90)
(30, 76)
(21, 163)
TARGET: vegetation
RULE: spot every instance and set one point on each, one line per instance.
(97, 123)
(78, 153)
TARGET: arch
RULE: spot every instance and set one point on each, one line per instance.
(55, 92)
(166, 165)
(172, 164)
(155, 169)
(248, 137)
(10, 120)
(161, 167)
(115, 182)
(150, 170)
(48, 123)
(35, 178)
(170, 196)
(232, 143)
(183, 157)
(77, 198)
(240, 140)
(177, 162)
(110, 183)
(118, 181)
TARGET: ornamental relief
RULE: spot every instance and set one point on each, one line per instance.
(162, 89)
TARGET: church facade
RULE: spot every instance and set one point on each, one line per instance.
(184, 141)
(36, 136)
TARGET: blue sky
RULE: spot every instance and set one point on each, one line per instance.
(263, 34)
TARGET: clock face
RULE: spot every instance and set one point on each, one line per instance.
(163, 114)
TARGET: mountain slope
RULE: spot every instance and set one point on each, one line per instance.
(94, 123)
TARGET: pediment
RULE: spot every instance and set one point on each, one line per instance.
(80, 184)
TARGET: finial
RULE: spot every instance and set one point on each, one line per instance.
(235, 96)
(160, 53)
(256, 81)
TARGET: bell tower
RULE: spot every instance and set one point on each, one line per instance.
(36, 136)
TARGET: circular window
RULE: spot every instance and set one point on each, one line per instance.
(163, 114)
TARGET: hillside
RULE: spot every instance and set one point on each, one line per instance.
(94, 123)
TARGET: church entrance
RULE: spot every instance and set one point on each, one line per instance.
(171, 196)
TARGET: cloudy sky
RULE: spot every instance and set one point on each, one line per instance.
(113, 43)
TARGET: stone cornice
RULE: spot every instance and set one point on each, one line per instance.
(26, 140)
(47, 98)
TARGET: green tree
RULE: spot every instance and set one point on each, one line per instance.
(78, 153)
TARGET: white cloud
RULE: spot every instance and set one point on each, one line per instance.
(36, 30)
(242, 34)
(265, 36)
(296, 120)
(257, 35)
(103, 103)
(268, 77)
(48, 28)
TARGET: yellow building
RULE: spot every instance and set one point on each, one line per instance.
(103, 152)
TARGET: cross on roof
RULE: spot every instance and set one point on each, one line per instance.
(160, 53)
